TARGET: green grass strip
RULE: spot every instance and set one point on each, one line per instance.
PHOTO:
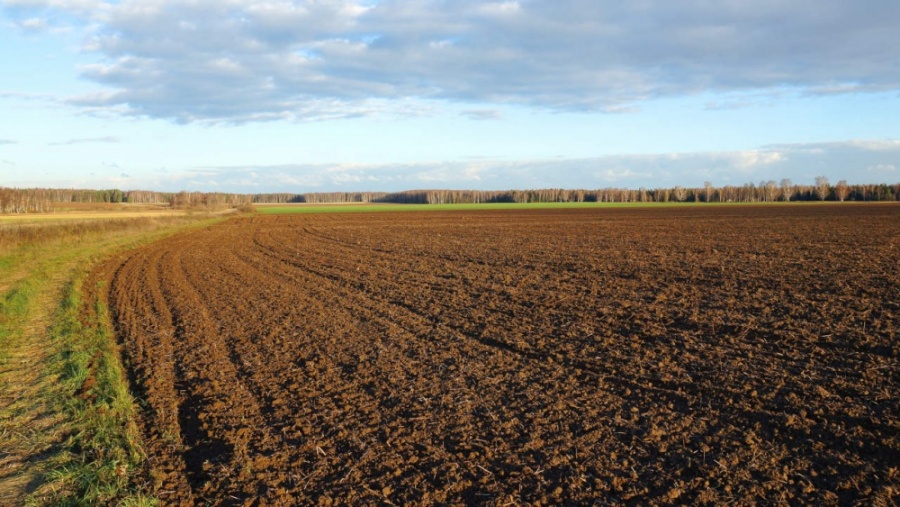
(305, 208)
(104, 449)
(15, 306)
(370, 207)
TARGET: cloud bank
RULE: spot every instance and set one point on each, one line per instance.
(242, 60)
(866, 161)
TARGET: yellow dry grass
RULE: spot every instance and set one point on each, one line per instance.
(25, 218)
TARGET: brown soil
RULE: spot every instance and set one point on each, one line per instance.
(655, 356)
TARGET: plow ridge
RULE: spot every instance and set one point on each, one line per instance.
(668, 356)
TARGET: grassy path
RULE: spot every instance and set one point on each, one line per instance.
(64, 404)
(31, 425)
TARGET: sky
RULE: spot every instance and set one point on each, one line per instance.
(387, 95)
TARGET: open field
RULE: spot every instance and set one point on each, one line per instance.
(668, 355)
(37, 218)
(91, 211)
(304, 208)
(354, 207)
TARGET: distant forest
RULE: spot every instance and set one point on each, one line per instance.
(37, 200)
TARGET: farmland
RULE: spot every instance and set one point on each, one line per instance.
(547, 356)
(284, 209)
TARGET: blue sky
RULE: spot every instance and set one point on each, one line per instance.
(306, 96)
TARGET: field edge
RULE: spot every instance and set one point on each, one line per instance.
(311, 208)
(59, 345)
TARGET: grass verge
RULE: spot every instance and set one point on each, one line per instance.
(67, 430)
(14, 309)
(95, 462)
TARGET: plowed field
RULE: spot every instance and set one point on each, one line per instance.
(668, 356)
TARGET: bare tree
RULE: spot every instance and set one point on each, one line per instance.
(680, 193)
(771, 191)
(787, 189)
(822, 187)
(841, 190)
(709, 190)
(748, 192)
(728, 193)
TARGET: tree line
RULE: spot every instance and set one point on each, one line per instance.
(37, 200)
(45, 200)
(765, 191)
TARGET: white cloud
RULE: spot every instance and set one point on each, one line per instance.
(482, 114)
(461, 175)
(799, 162)
(105, 139)
(886, 145)
(614, 175)
(500, 8)
(882, 168)
(748, 160)
(860, 145)
(35, 97)
(857, 161)
(33, 24)
(242, 60)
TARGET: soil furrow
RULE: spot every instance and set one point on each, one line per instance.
(686, 355)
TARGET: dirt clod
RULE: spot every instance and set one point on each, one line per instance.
(696, 355)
